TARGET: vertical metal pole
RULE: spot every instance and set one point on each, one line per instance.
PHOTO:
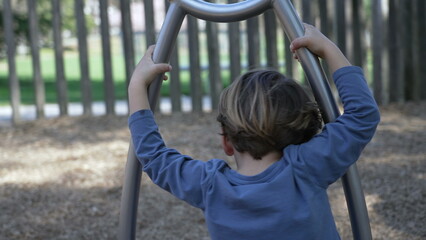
(164, 46)
(130, 197)
(351, 182)
(133, 171)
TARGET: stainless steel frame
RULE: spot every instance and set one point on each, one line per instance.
(229, 13)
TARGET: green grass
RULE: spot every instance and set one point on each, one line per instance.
(72, 74)
(72, 69)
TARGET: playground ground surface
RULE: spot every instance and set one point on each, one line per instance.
(61, 178)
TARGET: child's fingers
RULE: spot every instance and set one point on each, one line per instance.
(161, 68)
(150, 50)
(303, 41)
(148, 54)
(299, 43)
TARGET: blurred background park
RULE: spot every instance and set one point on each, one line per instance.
(69, 51)
(62, 58)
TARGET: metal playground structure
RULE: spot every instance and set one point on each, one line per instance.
(240, 11)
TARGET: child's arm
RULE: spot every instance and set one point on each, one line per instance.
(321, 46)
(327, 155)
(172, 171)
(142, 76)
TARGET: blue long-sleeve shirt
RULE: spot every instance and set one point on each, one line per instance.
(286, 201)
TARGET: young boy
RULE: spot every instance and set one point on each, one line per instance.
(285, 162)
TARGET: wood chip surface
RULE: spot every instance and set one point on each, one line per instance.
(62, 178)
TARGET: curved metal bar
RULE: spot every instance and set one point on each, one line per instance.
(355, 201)
(133, 171)
(164, 47)
(129, 196)
(351, 183)
(224, 12)
(310, 63)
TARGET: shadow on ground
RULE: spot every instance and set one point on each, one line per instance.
(61, 178)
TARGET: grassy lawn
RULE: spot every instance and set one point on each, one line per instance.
(72, 69)
(72, 74)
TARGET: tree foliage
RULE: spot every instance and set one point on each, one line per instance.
(44, 12)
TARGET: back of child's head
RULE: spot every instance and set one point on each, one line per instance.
(263, 111)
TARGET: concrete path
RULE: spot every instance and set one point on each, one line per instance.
(28, 112)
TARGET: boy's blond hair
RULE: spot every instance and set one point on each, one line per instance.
(263, 111)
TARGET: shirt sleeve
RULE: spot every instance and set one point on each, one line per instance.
(328, 155)
(178, 174)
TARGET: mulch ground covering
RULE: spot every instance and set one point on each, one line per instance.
(61, 178)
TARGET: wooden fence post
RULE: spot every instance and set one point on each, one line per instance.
(406, 75)
(415, 42)
(396, 81)
(325, 29)
(127, 39)
(348, 26)
(150, 34)
(85, 84)
(149, 22)
(408, 49)
(307, 17)
(253, 42)
(339, 24)
(194, 59)
(15, 96)
(61, 83)
(106, 55)
(323, 14)
(377, 50)
(288, 55)
(358, 51)
(234, 47)
(214, 63)
(35, 54)
(385, 57)
(271, 39)
(306, 11)
(421, 9)
(175, 86)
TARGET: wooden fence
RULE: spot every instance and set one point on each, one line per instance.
(385, 37)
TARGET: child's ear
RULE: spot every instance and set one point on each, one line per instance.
(227, 146)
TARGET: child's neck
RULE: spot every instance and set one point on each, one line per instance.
(247, 165)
